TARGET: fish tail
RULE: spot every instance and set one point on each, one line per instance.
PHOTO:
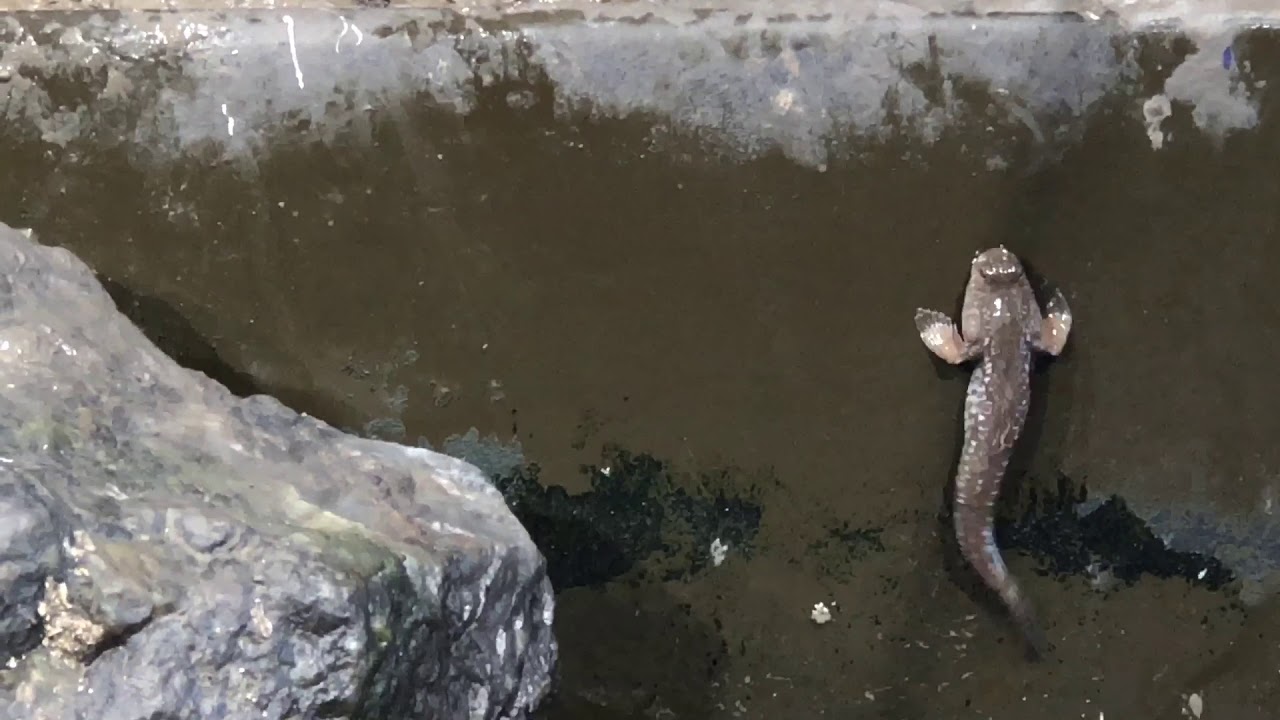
(977, 543)
(1032, 632)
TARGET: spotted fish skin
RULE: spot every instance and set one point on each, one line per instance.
(1001, 326)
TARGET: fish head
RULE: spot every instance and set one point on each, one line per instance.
(996, 267)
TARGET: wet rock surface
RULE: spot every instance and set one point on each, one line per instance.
(171, 550)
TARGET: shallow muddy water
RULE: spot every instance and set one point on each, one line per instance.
(697, 380)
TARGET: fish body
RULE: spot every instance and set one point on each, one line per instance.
(1001, 326)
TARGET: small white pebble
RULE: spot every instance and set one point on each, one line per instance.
(718, 551)
(820, 614)
(1195, 704)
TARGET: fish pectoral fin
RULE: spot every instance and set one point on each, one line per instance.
(1055, 326)
(942, 338)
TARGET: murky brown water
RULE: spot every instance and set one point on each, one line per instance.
(587, 286)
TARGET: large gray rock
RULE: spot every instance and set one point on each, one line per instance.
(170, 551)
